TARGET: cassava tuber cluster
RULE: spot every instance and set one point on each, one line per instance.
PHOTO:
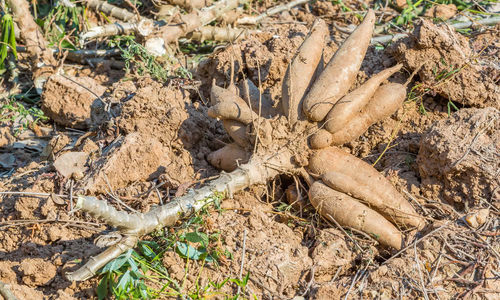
(347, 189)
(316, 114)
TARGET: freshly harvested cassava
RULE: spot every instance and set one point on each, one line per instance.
(340, 72)
(229, 157)
(353, 103)
(386, 100)
(348, 174)
(349, 190)
(301, 70)
(347, 211)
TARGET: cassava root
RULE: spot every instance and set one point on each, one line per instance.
(346, 181)
(342, 187)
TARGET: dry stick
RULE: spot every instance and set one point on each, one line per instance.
(353, 282)
(254, 20)
(309, 284)
(31, 194)
(242, 259)
(384, 39)
(14, 223)
(71, 196)
(82, 56)
(424, 290)
(112, 194)
(5, 292)
(43, 63)
(415, 242)
(133, 226)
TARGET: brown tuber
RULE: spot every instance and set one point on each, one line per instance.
(233, 108)
(386, 100)
(340, 72)
(320, 139)
(353, 103)
(348, 174)
(259, 103)
(229, 157)
(347, 211)
(301, 70)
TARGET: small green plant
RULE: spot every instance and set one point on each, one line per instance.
(137, 57)
(8, 40)
(451, 105)
(125, 277)
(130, 275)
(415, 96)
(14, 111)
(61, 24)
(412, 11)
(447, 72)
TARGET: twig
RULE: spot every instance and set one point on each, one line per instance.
(415, 242)
(79, 55)
(437, 264)
(5, 292)
(242, 258)
(31, 194)
(384, 39)
(309, 284)
(417, 261)
(111, 193)
(254, 20)
(13, 223)
(352, 284)
(43, 63)
(71, 196)
(356, 278)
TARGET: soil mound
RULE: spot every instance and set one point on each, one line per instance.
(458, 157)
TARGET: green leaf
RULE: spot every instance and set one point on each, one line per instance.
(102, 288)
(143, 290)
(115, 264)
(187, 251)
(124, 281)
(197, 237)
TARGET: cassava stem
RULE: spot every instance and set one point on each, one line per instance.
(43, 63)
(190, 22)
(258, 171)
(143, 27)
(112, 10)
